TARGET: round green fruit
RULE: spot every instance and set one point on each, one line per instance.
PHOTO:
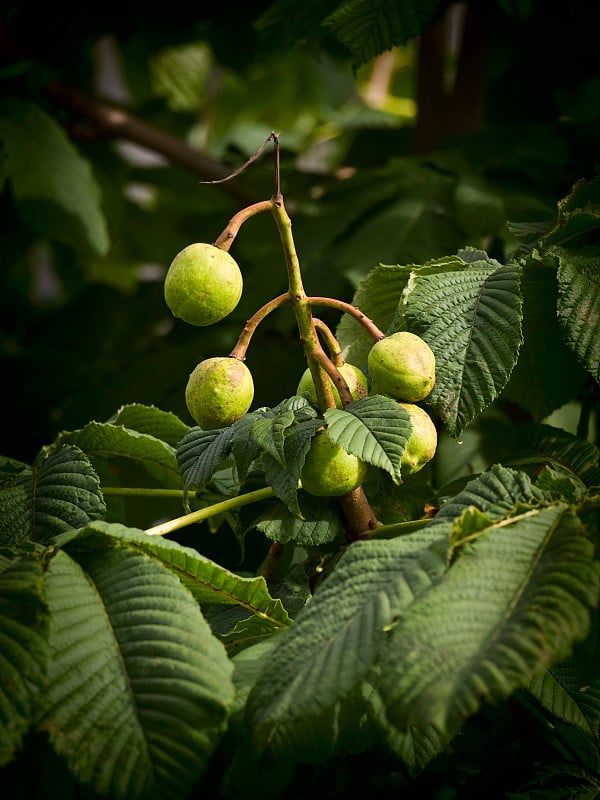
(329, 471)
(219, 391)
(203, 284)
(354, 377)
(422, 442)
(402, 366)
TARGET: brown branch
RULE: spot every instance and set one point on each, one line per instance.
(110, 120)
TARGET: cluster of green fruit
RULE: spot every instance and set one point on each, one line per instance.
(400, 366)
(204, 284)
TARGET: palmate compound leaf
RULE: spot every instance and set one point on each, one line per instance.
(24, 652)
(60, 492)
(374, 429)
(513, 603)
(579, 306)
(471, 319)
(313, 676)
(139, 690)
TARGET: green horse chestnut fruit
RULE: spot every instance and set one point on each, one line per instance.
(422, 443)
(402, 366)
(203, 284)
(354, 377)
(329, 471)
(219, 391)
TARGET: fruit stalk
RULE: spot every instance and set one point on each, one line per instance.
(353, 311)
(239, 351)
(300, 304)
(225, 239)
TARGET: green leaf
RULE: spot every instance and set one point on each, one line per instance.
(24, 625)
(139, 689)
(559, 692)
(495, 493)
(319, 524)
(368, 29)
(200, 454)
(471, 318)
(62, 492)
(375, 429)
(207, 581)
(269, 433)
(284, 480)
(378, 296)
(59, 197)
(541, 445)
(513, 604)
(546, 375)
(105, 441)
(577, 214)
(153, 421)
(579, 306)
(415, 746)
(317, 665)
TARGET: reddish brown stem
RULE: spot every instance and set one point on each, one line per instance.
(331, 369)
(241, 346)
(353, 311)
(359, 515)
(225, 239)
(333, 346)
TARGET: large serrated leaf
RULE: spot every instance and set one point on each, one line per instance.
(579, 306)
(139, 689)
(496, 493)
(319, 663)
(206, 580)
(512, 604)
(24, 651)
(61, 492)
(374, 429)
(60, 198)
(471, 318)
(105, 441)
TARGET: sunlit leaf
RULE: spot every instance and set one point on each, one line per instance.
(374, 429)
(471, 318)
